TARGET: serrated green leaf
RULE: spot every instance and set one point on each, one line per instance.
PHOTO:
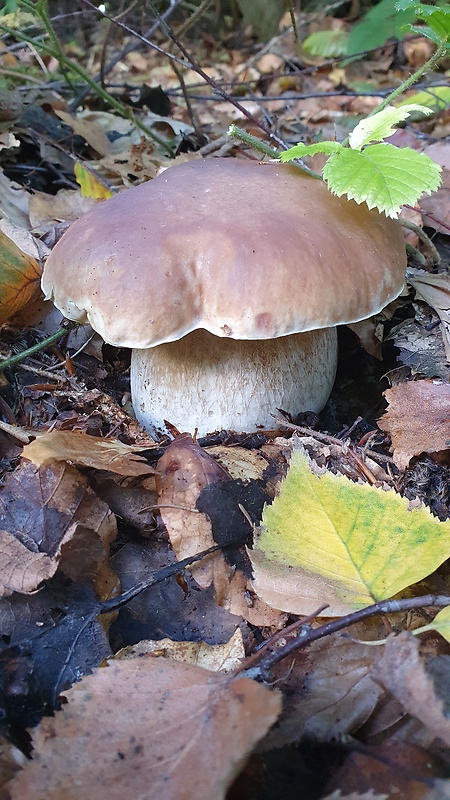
(328, 44)
(381, 125)
(300, 150)
(383, 176)
(326, 539)
(435, 97)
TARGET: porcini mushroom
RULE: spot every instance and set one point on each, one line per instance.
(227, 278)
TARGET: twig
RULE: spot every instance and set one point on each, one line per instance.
(9, 362)
(383, 607)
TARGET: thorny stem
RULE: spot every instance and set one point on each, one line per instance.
(9, 362)
(253, 141)
(309, 635)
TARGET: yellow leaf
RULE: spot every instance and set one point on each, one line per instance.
(441, 624)
(20, 277)
(90, 184)
(328, 540)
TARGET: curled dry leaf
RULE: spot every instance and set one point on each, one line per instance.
(20, 277)
(177, 728)
(79, 448)
(417, 419)
(184, 470)
(434, 290)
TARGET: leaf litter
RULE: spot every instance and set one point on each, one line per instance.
(95, 517)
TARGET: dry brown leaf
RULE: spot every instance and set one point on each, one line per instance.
(158, 728)
(79, 448)
(419, 686)
(52, 511)
(66, 206)
(394, 769)
(184, 470)
(434, 290)
(329, 690)
(417, 419)
(22, 570)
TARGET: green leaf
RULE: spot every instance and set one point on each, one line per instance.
(326, 539)
(381, 125)
(263, 15)
(435, 97)
(381, 23)
(328, 44)
(383, 176)
(300, 150)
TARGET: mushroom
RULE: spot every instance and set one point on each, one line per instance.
(227, 278)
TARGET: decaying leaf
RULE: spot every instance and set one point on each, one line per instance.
(79, 448)
(421, 687)
(52, 511)
(392, 769)
(328, 540)
(329, 690)
(181, 730)
(417, 419)
(21, 570)
(184, 470)
(20, 277)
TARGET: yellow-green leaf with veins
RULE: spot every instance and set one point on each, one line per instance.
(325, 539)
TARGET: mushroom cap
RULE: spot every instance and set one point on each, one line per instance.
(240, 249)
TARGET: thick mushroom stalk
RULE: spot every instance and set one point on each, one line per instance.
(210, 383)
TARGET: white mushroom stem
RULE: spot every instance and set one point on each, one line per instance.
(211, 383)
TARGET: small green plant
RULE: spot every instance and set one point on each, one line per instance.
(365, 167)
(386, 20)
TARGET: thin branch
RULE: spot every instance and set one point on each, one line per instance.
(312, 635)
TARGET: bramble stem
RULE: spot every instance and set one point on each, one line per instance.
(9, 362)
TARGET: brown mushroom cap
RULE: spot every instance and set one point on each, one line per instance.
(242, 250)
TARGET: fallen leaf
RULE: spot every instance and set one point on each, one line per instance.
(21, 570)
(326, 539)
(184, 470)
(20, 277)
(417, 419)
(420, 686)
(434, 290)
(79, 448)
(53, 512)
(393, 769)
(328, 691)
(179, 729)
